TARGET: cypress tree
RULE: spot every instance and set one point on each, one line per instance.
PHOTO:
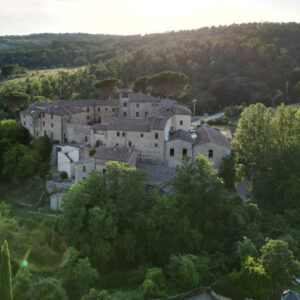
(6, 292)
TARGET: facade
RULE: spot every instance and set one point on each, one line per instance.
(136, 127)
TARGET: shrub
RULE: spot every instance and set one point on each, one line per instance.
(64, 174)
(92, 152)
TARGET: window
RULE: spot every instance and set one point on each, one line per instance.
(98, 109)
(124, 104)
(156, 135)
(125, 95)
(51, 135)
(210, 153)
(24, 123)
(45, 133)
(124, 114)
(146, 114)
(113, 109)
(87, 109)
(39, 116)
(106, 108)
(129, 144)
(51, 116)
(84, 169)
(117, 145)
(184, 152)
(137, 114)
(123, 133)
(43, 115)
(24, 116)
(142, 135)
(51, 125)
(85, 138)
(65, 138)
(83, 178)
(104, 171)
(137, 105)
(172, 152)
(156, 145)
(37, 134)
(43, 123)
(87, 117)
(118, 133)
(181, 122)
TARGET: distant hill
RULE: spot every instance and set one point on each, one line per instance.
(11, 41)
(246, 63)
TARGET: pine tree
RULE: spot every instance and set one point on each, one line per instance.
(6, 292)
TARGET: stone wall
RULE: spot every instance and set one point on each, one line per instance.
(181, 149)
(218, 152)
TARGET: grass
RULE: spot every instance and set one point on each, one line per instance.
(31, 74)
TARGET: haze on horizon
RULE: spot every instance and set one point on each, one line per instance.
(127, 17)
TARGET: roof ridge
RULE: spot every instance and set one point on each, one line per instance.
(207, 133)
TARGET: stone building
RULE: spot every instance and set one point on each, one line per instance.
(135, 127)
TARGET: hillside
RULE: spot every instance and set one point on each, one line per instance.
(236, 64)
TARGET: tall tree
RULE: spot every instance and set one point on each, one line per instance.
(254, 136)
(169, 84)
(107, 87)
(15, 101)
(6, 292)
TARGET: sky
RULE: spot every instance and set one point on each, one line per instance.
(129, 17)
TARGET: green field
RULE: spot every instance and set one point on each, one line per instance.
(41, 73)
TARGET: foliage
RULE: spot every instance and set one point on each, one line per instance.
(21, 284)
(227, 171)
(46, 288)
(279, 263)
(107, 87)
(154, 283)
(6, 291)
(188, 271)
(250, 282)
(63, 174)
(169, 84)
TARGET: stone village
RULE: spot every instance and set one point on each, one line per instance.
(150, 133)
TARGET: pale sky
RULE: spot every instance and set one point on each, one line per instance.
(137, 16)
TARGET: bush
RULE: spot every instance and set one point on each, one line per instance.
(64, 174)
(92, 152)
(48, 177)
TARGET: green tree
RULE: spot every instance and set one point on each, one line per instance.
(227, 171)
(188, 271)
(154, 284)
(107, 87)
(279, 263)
(21, 284)
(251, 281)
(113, 202)
(141, 85)
(6, 292)
(46, 288)
(254, 136)
(15, 101)
(169, 84)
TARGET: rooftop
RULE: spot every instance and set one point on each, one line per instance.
(112, 154)
(207, 134)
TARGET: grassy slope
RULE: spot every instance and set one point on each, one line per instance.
(42, 73)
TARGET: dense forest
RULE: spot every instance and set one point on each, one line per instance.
(248, 63)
